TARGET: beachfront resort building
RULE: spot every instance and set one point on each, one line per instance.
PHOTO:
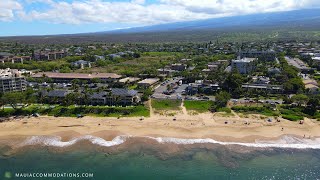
(11, 80)
(9, 84)
(115, 96)
(68, 77)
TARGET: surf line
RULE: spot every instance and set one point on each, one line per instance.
(284, 142)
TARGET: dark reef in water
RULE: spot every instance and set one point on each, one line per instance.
(227, 155)
(143, 158)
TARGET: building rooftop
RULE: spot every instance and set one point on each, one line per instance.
(57, 93)
(263, 86)
(77, 75)
(149, 81)
(311, 86)
(310, 81)
(123, 92)
(129, 80)
(99, 95)
(246, 60)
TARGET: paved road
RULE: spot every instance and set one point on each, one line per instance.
(268, 101)
(297, 63)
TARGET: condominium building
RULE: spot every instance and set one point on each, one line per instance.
(68, 77)
(243, 66)
(115, 96)
(269, 55)
(10, 84)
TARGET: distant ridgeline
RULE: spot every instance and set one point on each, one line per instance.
(290, 25)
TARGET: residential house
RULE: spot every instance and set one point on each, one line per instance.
(178, 67)
(166, 72)
(99, 57)
(260, 80)
(81, 64)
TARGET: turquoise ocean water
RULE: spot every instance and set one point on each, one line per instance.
(145, 163)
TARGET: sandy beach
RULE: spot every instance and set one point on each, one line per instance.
(207, 125)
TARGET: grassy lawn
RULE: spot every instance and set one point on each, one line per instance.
(72, 111)
(198, 106)
(166, 104)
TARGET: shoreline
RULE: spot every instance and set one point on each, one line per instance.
(200, 126)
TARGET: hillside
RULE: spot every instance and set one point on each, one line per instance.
(291, 25)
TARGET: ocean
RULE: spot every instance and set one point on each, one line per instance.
(146, 158)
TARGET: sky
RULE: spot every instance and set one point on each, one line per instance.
(43, 17)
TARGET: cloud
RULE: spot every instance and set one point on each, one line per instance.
(239, 6)
(8, 8)
(96, 11)
(160, 11)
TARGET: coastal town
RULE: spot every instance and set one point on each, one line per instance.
(278, 79)
(160, 89)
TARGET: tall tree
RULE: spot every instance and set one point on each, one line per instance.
(13, 98)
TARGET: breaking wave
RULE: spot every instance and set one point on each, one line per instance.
(56, 141)
(289, 142)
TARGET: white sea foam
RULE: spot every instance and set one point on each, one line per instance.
(289, 142)
(284, 142)
(56, 141)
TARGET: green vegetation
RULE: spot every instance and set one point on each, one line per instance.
(300, 99)
(289, 78)
(166, 104)
(221, 101)
(255, 110)
(292, 114)
(225, 109)
(157, 54)
(73, 111)
(148, 63)
(39, 65)
(292, 117)
(198, 106)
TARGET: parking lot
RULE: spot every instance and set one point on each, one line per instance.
(177, 94)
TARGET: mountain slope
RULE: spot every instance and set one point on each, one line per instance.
(284, 26)
(307, 18)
